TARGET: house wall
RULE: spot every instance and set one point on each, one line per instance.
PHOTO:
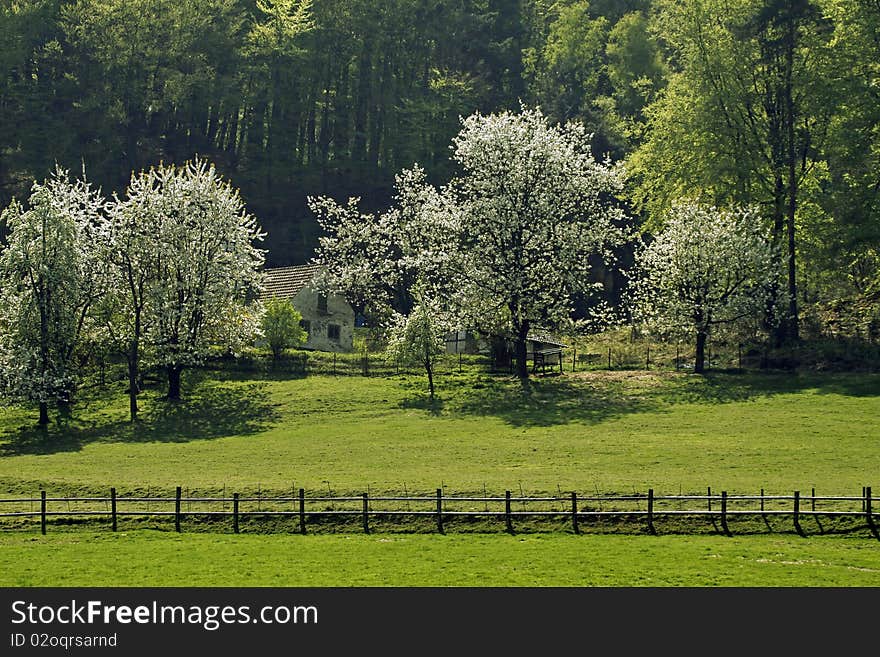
(338, 313)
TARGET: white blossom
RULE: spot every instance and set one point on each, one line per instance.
(50, 276)
(419, 338)
(185, 234)
(705, 268)
(504, 246)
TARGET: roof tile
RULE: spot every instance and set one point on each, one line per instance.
(287, 281)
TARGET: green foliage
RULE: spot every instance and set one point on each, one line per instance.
(280, 325)
(419, 338)
(748, 101)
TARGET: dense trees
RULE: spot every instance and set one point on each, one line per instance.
(289, 97)
(744, 118)
(504, 246)
(172, 267)
(766, 102)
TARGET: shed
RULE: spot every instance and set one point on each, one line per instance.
(542, 349)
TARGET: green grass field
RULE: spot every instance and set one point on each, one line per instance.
(144, 558)
(616, 432)
(607, 431)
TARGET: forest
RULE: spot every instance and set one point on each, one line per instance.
(774, 103)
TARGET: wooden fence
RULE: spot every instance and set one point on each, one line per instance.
(644, 510)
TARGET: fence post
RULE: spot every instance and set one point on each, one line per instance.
(724, 513)
(648, 357)
(574, 513)
(235, 512)
(709, 496)
(113, 507)
(177, 510)
(813, 499)
(797, 512)
(508, 520)
(651, 511)
(43, 512)
(302, 511)
(869, 512)
(366, 513)
(440, 510)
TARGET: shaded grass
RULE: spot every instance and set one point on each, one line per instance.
(150, 558)
(216, 410)
(608, 431)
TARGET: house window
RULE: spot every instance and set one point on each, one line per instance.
(306, 325)
(333, 332)
(322, 304)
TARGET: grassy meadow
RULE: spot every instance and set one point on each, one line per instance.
(611, 431)
(150, 558)
(614, 432)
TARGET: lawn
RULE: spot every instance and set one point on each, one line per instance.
(150, 558)
(607, 431)
(615, 432)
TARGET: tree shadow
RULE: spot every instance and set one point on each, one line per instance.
(600, 396)
(210, 411)
(424, 403)
(550, 402)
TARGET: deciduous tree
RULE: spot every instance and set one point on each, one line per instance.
(420, 337)
(706, 267)
(50, 275)
(204, 260)
(280, 324)
(530, 212)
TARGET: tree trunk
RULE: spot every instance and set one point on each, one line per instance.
(700, 360)
(174, 382)
(779, 323)
(521, 355)
(793, 333)
(134, 376)
(44, 414)
(430, 371)
(64, 409)
(362, 102)
(133, 387)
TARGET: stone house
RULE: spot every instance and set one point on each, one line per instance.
(328, 319)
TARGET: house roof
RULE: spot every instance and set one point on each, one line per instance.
(286, 282)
